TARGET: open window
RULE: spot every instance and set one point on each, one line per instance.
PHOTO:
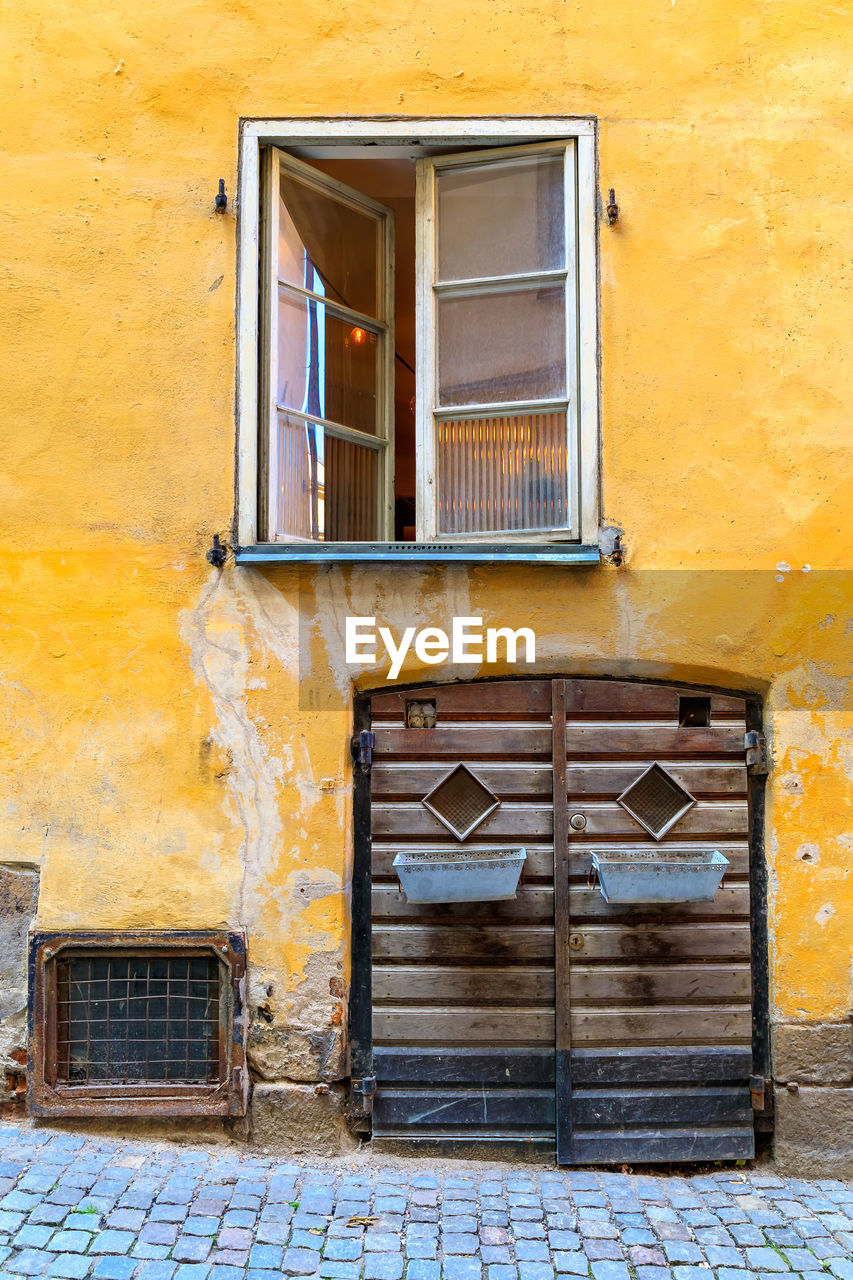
(426, 348)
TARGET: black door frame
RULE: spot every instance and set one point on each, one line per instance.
(359, 1022)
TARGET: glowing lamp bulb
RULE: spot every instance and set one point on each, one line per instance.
(359, 336)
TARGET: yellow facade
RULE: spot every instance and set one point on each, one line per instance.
(161, 764)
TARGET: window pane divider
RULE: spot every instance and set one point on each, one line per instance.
(501, 409)
(338, 309)
(336, 428)
(501, 284)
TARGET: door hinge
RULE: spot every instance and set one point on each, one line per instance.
(363, 1092)
(756, 1092)
(362, 748)
(755, 745)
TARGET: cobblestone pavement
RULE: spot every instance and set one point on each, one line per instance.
(114, 1209)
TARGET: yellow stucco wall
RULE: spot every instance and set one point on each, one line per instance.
(158, 761)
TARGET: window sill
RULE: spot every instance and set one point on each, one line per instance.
(417, 553)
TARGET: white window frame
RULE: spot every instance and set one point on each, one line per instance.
(412, 136)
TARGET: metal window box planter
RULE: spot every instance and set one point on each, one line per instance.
(477, 875)
(650, 875)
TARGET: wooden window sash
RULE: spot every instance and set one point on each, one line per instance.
(277, 161)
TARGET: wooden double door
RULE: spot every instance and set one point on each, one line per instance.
(620, 1032)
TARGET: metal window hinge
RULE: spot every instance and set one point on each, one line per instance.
(362, 748)
(363, 1092)
(755, 745)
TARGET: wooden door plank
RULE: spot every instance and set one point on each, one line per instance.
(653, 1146)
(509, 822)
(641, 1108)
(480, 700)
(529, 904)
(527, 1109)
(664, 1025)
(444, 984)
(705, 818)
(682, 1064)
(616, 698)
(730, 901)
(415, 779)
(426, 944)
(652, 984)
(462, 1026)
(701, 780)
(468, 743)
(651, 740)
(505, 1066)
(668, 942)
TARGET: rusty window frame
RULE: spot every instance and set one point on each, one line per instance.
(46, 1095)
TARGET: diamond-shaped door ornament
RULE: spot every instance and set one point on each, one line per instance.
(461, 801)
(656, 800)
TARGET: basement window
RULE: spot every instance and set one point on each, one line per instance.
(137, 1024)
(419, 303)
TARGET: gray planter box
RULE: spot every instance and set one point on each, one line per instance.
(440, 875)
(654, 875)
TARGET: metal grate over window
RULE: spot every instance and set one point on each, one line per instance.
(461, 801)
(133, 1020)
(656, 800)
(138, 1023)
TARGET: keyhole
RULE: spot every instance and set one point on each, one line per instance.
(576, 941)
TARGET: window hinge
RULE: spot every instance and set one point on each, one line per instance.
(755, 745)
(362, 748)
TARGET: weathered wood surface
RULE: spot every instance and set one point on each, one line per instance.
(479, 701)
(703, 781)
(505, 1066)
(653, 999)
(505, 741)
(638, 1146)
(506, 778)
(632, 1108)
(650, 983)
(424, 944)
(624, 985)
(536, 903)
(408, 820)
(651, 1065)
(653, 740)
(694, 1024)
(516, 1110)
(447, 984)
(465, 1026)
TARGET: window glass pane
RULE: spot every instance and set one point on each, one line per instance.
(326, 365)
(328, 489)
(501, 218)
(328, 247)
(496, 347)
(502, 473)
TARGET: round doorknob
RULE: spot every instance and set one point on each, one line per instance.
(577, 822)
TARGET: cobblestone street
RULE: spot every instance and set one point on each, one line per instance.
(72, 1207)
